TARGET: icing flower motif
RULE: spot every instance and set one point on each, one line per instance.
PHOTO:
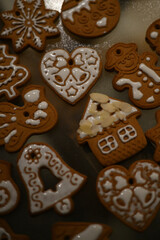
(33, 156)
(29, 23)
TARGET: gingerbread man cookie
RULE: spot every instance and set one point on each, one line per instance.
(131, 195)
(153, 35)
(18, 123)
(7, 233)
(38, 156)
(12, 75)
(9, 193)
(80, 231)
(153, 135)
(28, 24)
(90, 18)
(111, 129)
(136, 72)
(71, 75)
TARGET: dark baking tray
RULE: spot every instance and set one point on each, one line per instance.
(136, 16)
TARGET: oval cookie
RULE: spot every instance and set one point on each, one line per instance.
(90, 18)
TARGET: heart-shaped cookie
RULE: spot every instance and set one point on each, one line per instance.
(134, 195)
(71, 75)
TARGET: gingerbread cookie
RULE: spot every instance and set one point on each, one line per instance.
(17, 123)
(153, 135)
(111, 129)
(12, 75)
(131, 195)
(80, 231)
(90, 18)
(37, 156)
(6, 232)
(9, 193)
(28, 24)
(153, 35)
(71, 75)
(136, 72)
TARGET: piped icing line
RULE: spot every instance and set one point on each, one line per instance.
(92, 232)
(10, 135)
(83, 4)
(151, 73)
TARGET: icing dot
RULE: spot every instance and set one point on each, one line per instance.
(145, 79)
(148, 59)
(13, 119)
(150, 84)
(2, 75)
(154, 35)
(156, 90)
(20, 74)
(139, 73)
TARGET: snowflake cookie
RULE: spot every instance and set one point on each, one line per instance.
(29, 23)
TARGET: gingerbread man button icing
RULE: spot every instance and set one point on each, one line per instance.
(38, 156)
(111, 129)
(153, 35)
(90, 18)
(9, 193)
(136, 72)
(28, 24)
(80, 231)
(17, 123)
(131, 195)
(7, 233)
(12, 75)
(71, 75)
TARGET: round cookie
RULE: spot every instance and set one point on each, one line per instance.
(90, 18)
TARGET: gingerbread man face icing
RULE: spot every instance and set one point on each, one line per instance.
(71, 75)
(133, 195)
(37, 156)
(153, 35)
(28, 24)
(11, 74)
(18, 123)
(90, 18)
(80, 231)
(111, 129)
(7, 233)
(136, 72)
(9, 193)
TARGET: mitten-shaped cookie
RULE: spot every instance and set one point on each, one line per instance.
(136, 72)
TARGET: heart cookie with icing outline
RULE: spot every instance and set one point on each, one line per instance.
(131, 195)
(71, 75)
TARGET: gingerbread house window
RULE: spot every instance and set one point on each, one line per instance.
(107, 144)
(127, 133)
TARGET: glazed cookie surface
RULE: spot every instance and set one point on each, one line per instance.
(131, 195)
(38, 156)
(136, 72)
(153, 35)
(80, 231)
(12, 75)
(28, 24)
(9, 193)
(71, 75)
(90, 18)
(17, 123)
(111, 129)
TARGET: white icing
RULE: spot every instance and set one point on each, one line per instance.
(151, 84)
(141, 193)
(150, 99)
(71, 83)
(43, 105)
(139, 73)
(10, 135)
(107, 144)
(92, 232)
(15, 68)
(40, 114)
(4, 125)
(70, 181)
(32, 96)
(154, 177)
(156, 90)
(138, 217)
(7, 202)
(2, 115)
(13, 119)
(125, 196)
(154, 35)
(150, 72)
(33, 122)
(145, 79)
(139, 178)
(121, 182)
(83, 4)
(127, 133)
(4, 233)
(148, 59)
(102, 22)
(137, 94)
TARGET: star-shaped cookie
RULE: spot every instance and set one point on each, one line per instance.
(28, 24)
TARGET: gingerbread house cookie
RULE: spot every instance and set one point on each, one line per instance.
(90, 18)
(111, 129)
(131, 195)
(136, 72)
(29, 24)
(80, 230)
(153, 135)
